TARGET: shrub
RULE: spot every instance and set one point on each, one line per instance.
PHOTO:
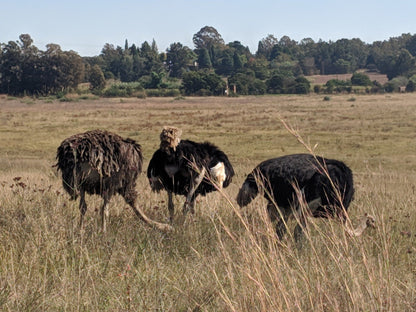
(317, 89)
(360, 79)
(122, 89)
(411, 86)
(338, 85)
(163, 92)
(302, 86)
(172, 92)
(202, 83)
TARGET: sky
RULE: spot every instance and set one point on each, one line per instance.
(86, 26)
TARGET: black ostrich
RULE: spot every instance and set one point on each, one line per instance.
(187, 168)
(324, 185)
(102, 163)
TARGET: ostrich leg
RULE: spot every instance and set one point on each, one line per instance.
(190, 198)
(104, 212)
(82, 206)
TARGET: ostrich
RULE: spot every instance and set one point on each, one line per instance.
(102, 163)
(187, 168)
(324, 185)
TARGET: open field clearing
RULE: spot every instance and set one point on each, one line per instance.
(223, 258)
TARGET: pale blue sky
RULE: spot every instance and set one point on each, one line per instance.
(85, 26)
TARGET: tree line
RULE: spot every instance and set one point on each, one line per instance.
(212, 67)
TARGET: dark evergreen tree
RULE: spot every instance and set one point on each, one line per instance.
(204, 60)
(179, 59)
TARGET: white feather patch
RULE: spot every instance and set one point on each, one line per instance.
(218, 173)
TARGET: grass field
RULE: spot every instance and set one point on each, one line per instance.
(223, 258)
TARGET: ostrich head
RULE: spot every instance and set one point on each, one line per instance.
(367, 221)
(370, 221)
(170, 138)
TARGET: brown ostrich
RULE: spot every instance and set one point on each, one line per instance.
(102, 163)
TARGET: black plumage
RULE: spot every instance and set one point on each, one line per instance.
(189, 169)
(326, 185)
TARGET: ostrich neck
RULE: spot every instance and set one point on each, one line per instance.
(359, 229)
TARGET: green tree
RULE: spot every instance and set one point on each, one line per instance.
(405, 63)
(226, 65)
(411, 45)
(285, 50)
(265, 46)
(276, 84)
(207, 37)
(178, 59)
(204, 60)
(26, 70)
(96, 78)
(260, 67)
(341, 66)
(64, 68)
(192, 82)
(152, 61)
(238, 61)
(240, 50)
(11, 68)
(246, 83)
(125, 69)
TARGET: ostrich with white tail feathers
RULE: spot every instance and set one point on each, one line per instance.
(187, 168)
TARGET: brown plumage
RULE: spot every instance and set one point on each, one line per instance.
(170, 137)
(102, 163)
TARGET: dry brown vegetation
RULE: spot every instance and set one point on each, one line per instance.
(223, 258)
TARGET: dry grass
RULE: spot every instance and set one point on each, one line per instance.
(224, 258)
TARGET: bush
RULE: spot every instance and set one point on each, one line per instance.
(395, 84)
(197, 83)
(338, 85)
(163, 92)
(302, 86)
(360, 79)
(172, 92)
(317, 89)
(411, 86)
(123, 89)
(115, 91)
